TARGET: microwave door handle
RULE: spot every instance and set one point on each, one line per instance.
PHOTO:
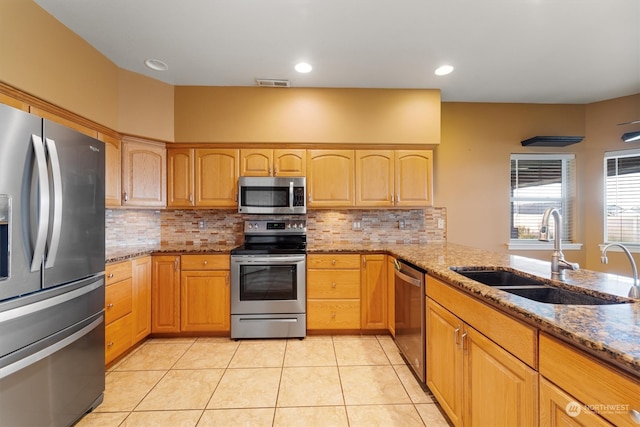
(291, 195)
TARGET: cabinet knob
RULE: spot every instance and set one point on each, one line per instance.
(333, 314)
(333, 285)
(204, 262)
(110, 344)
(190, 197)
(110, 305)
(110, 276)
(126, 196)
(333, 262)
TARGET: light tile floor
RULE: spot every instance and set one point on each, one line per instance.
(319, 381)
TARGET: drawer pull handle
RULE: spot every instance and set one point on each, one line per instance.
(455, 336)
(333, 285)
(110, 275)
(204, 262)
(333, 314)
(464, 340)
(333, 262)
(635, 416)
(110, 344)
(110, 305)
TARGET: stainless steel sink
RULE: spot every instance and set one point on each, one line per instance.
(532, 289)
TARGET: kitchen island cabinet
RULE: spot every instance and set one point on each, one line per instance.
(205, 295)
(476, 381)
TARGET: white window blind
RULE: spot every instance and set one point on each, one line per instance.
(538, 182)
(622, 196)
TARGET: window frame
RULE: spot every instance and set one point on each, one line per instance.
(567, 201)
(615, 154)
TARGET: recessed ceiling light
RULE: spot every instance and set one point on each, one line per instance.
(156, 64)
(303, 67)
(444, 70)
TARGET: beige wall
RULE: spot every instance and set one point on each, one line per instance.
(44, 58)
(472, 167)
(604, 134)
(307, 115)
(145, 106)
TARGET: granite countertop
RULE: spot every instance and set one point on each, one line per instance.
(610, 332)
(122, 253)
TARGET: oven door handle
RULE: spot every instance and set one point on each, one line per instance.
(268, 260)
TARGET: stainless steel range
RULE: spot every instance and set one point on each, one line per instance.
(268, 281)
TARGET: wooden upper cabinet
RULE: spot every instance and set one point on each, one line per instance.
(217, 177)
(144, 173)
(273, 162)
(330, 178)
(375, 178)
(180, 177)
(112, 171)
(290, 162)
(414, 178)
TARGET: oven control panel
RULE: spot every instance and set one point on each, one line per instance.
(275, 227)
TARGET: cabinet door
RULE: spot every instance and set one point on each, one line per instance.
(205, 301)
(141, 291)
(144, 174)
(330, 179)
(290, 162)
(180, 177)
(500, 390)
(374, 178)
(374, 292)
(444, 359)
(165, 294)
(557, 408)
(414, 177)
(256, 162)
(217, 177)
(113, 176)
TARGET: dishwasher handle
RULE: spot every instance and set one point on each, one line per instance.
(412, 281)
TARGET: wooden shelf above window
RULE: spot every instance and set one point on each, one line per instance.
(551, 141)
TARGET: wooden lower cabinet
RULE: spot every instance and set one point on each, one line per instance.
(118, 309)
(557, 408)
(333, 291)
(141, 298)
(204, 296)
(611, 394)
(474, 379)
(391, 295)
(165, 294)
(373, 296)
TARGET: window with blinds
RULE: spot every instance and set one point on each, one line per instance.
(622, 197)
(539, 182)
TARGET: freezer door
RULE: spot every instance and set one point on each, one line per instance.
(18, 179)
(75, 241)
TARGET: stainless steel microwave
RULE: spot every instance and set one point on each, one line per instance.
(272, 195)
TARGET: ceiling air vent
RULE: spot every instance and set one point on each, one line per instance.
(273, 83)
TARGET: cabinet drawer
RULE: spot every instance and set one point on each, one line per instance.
(333, 314)
(342, 284)
(117, 300)
(117, 337)
(517, 338)
(116, 272)
(589, 380)
(333, 261)
(205, 262)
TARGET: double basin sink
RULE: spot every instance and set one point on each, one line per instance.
(533, 289)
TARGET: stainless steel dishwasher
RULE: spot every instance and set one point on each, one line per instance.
(410, 316)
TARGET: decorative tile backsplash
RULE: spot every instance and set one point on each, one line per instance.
(135, 227)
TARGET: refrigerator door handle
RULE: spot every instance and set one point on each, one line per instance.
(56, 227)
(43, 205)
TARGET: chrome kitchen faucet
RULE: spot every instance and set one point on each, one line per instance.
(558, 263)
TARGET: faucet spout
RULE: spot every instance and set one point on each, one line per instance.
(634, 292)
(558, 263)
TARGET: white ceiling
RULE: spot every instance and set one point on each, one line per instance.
(534, 51)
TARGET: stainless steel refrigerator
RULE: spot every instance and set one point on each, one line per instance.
(52, 257)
